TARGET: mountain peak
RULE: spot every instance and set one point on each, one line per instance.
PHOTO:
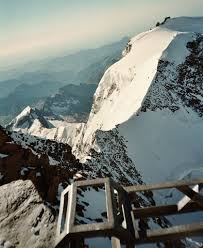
(152, 100)
(184, 24)
(29, 117)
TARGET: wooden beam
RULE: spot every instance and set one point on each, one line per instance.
(176, 232)
(158, 186)
(115, 242)
(193, 195)
(93, 182)
(185, 200)
(164, 210)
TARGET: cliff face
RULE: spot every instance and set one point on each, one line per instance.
(38, 163)
(25, 220)
(32, 174)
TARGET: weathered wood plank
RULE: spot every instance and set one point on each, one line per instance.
(185, 200)
(176, 232)
(193, 195)
(164, 210)
(92, 182)
(157, 186)
(191, 202)
(115, 242)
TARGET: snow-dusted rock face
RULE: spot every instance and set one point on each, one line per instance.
(61, 131)
(29, 118)
(72, 103)
(152, 98)
(55, 117)
(24, 219)
(46, 163)
(32, 122)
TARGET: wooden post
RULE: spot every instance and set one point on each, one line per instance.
(115, 242)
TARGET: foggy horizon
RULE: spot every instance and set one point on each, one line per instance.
(36, 30)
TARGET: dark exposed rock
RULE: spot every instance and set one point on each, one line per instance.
(34, 164)
(24, 219)
(184, 86)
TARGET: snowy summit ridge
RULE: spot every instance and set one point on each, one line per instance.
(124, 86)
(153, 99)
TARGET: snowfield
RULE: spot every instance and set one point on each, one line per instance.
(165, 145)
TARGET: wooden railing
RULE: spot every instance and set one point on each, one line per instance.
(120, 208)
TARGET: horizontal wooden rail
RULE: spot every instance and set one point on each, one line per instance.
(119, 208)
(175, 232)
(157, 186)
(165, 210)
(193, 195)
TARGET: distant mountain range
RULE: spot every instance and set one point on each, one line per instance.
(64, 67)
(28, 84)
(72, 103)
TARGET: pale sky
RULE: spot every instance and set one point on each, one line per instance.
(40, 28)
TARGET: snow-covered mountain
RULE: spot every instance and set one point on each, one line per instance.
(29, 118)
(32, 122)
(55, 117)
(70, 102)
(20, 96)
(151, 100)
(146, 120)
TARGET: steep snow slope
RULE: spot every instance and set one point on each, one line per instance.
(124, 85)
(154, 93)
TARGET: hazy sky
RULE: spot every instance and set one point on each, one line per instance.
(39, 28)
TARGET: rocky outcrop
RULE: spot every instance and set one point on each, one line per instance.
(37, 164)
(180, 85)
(25, 221)
(32, 174)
